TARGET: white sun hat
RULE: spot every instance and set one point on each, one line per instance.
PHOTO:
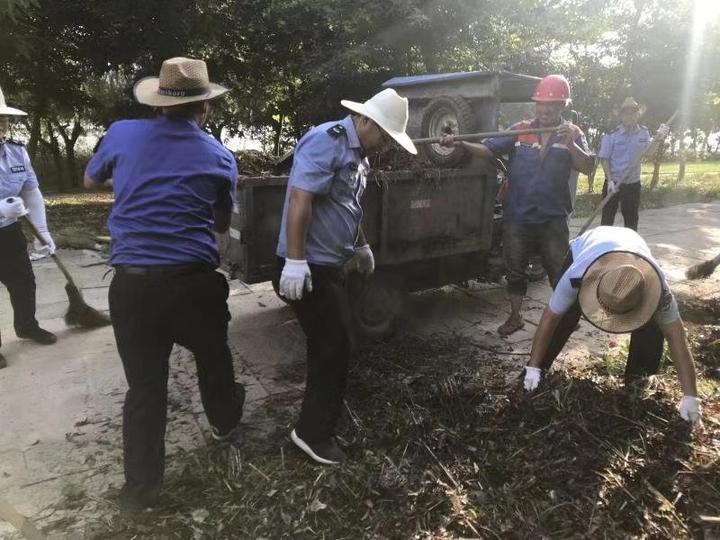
(8, 111)
(181, 80)
(389, 111)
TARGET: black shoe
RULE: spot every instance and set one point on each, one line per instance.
(325, 452)
(3, 362)
(232, 434)
(137, 500)
(38, 335)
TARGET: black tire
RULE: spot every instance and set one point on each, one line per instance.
(378, 303)
(444, 116)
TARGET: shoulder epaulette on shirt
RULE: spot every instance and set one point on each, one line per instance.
(336, 130)
(13, 141)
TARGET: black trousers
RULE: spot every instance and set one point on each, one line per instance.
(17, 275)
(325, 317)
(149, 315)
(646, 343)
(550, 239)
(628, 198)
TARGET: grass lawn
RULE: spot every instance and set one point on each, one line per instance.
(701, 184)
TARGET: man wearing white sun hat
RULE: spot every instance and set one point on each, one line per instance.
(321, 232)
(19, 196)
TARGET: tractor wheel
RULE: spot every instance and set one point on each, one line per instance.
(447, 116)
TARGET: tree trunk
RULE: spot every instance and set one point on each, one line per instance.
(54, 147)
(34, 142)
(69, 140)
(278, 134)
(682, 158)
(656, 165)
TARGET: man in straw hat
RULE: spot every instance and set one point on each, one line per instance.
(613, 281)
(19, 196)
(320, 233)
(174, 184)
(619, 150)
(538, 201)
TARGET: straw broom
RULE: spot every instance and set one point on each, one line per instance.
(78, 313)
(703, 269)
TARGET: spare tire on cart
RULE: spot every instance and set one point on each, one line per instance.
(447, 116)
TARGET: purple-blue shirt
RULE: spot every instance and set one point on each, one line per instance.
(168, 177)
(538, 188)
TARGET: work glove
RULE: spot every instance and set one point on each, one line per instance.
(532, 378)
(12, 208)
(294, 279)
(611, 187)
(41, 250)
(662, 132)
(691, 409)
(364, 259)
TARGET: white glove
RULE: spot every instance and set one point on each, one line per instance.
(294, 278)
(12, 208)
(364, 259)
(532, 378)
(662, 132)
(41, 250)
(691, 409)
(611, 187)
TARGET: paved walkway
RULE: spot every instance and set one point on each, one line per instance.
(60, 406)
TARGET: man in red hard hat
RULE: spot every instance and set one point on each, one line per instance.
(538, 201)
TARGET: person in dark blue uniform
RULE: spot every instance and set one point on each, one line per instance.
(19, 196)
(619, 151)
(174, 185)
(320, 233)
(539, 199)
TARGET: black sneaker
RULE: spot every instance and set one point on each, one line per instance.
(136, 500)
(232, 434)
(325, 452)
(3, 362)
(38, 335)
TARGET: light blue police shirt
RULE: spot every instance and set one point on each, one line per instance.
(328, 162)
(16, 173)
(621, 147)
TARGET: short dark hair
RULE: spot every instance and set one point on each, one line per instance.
(186, 110)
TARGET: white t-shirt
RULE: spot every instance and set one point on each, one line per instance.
(591, 245)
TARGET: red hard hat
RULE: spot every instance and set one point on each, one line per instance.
(552, 88)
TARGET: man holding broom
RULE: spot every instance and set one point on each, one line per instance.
(174, 184)
(19, 196)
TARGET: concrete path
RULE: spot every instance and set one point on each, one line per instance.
(60, 406)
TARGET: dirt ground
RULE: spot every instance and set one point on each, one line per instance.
(441, 390)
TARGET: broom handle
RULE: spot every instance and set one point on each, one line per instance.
(55, 258)
(625, 176)
(486, 134)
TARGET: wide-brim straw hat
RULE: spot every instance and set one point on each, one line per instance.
(635, 317)
(181, 80)
(389, 111)
(9, 111)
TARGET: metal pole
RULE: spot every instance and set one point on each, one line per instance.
(486, 134)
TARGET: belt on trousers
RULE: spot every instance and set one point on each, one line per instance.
(174, 269)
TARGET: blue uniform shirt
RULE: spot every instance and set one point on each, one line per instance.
(16, 173)
(168, 176)
(621, 147)
(329, 163)
(537, 191)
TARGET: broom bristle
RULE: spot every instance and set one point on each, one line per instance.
(79, 313)
(701, 270)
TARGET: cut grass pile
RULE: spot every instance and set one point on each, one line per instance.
(441, 446)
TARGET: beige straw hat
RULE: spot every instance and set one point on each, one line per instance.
(8, 111)
(620, 292)
(389, 111)
(181, 80)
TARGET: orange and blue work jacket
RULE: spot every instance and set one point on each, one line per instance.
(539, 187)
